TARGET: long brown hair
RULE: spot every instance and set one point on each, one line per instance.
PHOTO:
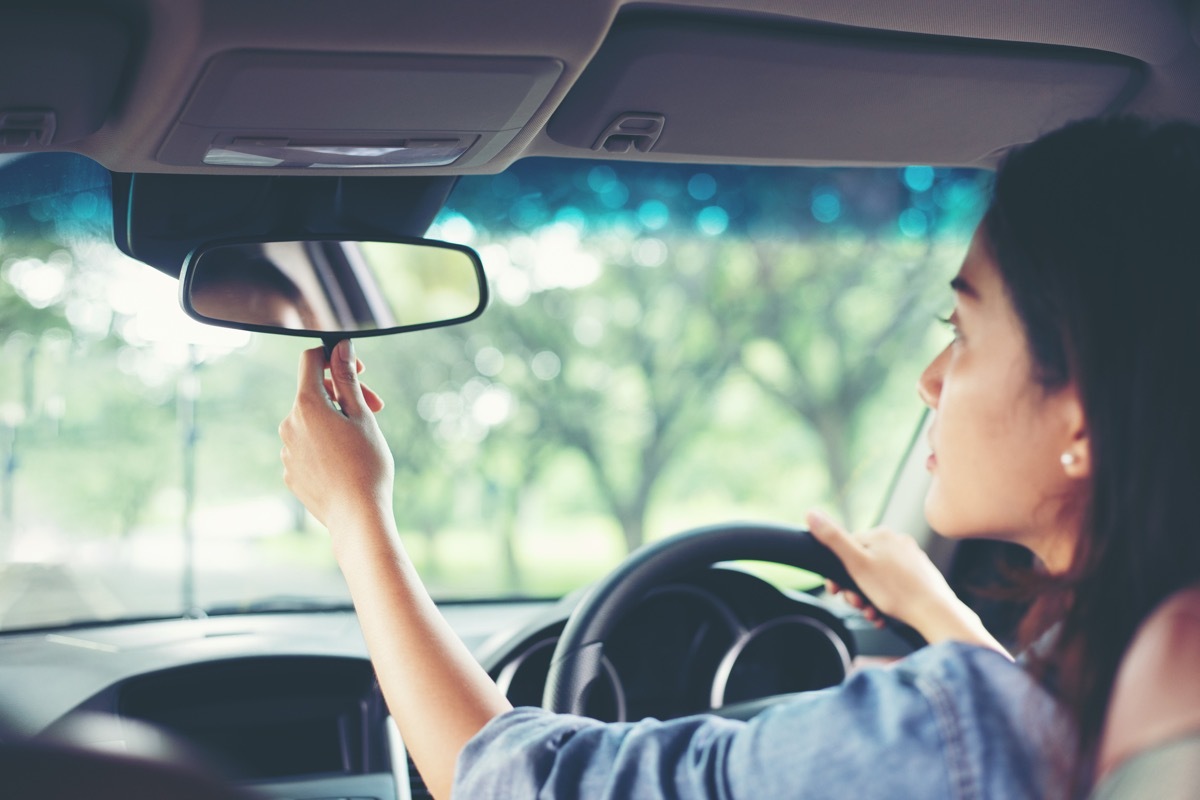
(1095, 231)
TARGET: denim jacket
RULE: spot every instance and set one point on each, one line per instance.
(950, 721)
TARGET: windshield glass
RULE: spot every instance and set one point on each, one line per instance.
(667, 346)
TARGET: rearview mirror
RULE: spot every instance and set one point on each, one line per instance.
(333, 289)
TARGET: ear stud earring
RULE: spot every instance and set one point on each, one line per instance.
(1068, 459)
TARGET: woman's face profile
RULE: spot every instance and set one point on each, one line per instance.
(998, 437)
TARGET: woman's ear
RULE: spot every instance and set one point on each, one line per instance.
(1076, 455)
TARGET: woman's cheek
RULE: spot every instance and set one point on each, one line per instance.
(939, 505)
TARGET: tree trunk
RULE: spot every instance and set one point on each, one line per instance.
(633, 516)
(835, 441)
(633, 529)
(508, 544)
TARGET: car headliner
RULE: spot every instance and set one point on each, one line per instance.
(159, 52)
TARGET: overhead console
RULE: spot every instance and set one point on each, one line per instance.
(336, 111)
(706, 85)
(60, 71)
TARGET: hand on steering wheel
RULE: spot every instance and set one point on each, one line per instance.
(896, 580)
(893, 577)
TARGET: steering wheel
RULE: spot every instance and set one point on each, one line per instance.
(577, 662)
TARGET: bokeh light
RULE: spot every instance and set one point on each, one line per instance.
(712, 221)
(919, 179)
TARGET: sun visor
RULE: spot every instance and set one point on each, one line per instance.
(765, 90)
(59, 74)
(341, 111)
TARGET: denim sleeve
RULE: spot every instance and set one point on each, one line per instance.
(951, 721)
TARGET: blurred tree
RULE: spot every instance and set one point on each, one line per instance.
(833, 321)
(417, 366)
(93, 450)
(622, 371)
(816, 283)
(629, 300)
(61, 346)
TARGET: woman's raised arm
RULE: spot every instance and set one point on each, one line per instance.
(338, 464)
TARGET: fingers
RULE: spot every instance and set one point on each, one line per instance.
(872, 615)
(372, 398)
(833, 536)
(312, 374)
(343, 367)
(852, 550)
(857, 601)
(312, 371)
(374, 401)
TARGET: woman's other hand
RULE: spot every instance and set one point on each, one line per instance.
(895, 577)
(336, 460)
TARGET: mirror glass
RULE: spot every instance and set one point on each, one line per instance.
(334, 287)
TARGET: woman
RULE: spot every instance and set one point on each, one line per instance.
(1064, 420)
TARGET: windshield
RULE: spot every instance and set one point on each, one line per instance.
(667, 346)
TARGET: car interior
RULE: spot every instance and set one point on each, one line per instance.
(281, 163)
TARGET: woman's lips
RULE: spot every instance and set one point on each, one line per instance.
(931, 462)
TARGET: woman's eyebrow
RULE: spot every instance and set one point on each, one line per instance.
(960, 285)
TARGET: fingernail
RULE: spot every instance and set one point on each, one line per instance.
(817, 518)
(348, 351)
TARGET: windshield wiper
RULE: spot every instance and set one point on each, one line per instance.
(279, 603)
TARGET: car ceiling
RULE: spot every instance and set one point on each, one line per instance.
(152, 85)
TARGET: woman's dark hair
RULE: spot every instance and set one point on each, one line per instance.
(1095, 231)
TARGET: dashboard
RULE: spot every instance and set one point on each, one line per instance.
(287, 703)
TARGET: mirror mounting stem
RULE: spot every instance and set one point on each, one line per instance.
(330, 342)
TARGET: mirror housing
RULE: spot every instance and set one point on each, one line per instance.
(333, 288)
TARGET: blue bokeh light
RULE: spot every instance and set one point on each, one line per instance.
(526, 213)
(572, 216)
(702, 186)
(712, 221)
(913, 223)
(615, 195)
(826, 205)
(601, 178)
(919, 179)
(654, 214)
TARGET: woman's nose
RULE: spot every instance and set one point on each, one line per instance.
(929, 385)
